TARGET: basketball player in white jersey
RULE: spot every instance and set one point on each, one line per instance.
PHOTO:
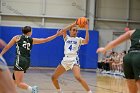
(71, 60)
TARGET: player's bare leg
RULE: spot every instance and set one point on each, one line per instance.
(59, 71)
(77, 75)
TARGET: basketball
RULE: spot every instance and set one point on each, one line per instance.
(81, 22)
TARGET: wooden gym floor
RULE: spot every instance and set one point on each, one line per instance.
(98, 83)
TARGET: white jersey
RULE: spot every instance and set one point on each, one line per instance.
(72, 45)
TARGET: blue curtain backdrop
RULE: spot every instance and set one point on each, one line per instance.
(51, 53)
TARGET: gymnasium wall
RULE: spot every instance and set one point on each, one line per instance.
(63, 8)
(41, 13)
(50, 54)
(117, 14)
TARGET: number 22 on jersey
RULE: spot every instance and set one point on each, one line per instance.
(26, 45)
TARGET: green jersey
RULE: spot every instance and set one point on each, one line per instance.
(135, 40)
(24, 46)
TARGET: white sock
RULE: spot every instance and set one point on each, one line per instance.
(29, 88)
(89, 91)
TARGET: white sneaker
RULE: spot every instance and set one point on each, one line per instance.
(35, 89)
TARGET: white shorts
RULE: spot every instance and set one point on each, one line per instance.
(3, 64)
(69, 61)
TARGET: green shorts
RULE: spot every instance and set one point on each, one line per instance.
(22, 63)
(132, 65)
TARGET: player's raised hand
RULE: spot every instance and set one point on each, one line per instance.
(59, 32)
(101, 50)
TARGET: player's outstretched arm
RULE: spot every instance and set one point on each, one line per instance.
(44, 40)
(115, 42)
(9, 45)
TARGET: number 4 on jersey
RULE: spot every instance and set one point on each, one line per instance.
(70, 47)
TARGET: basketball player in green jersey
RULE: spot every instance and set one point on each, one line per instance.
(23, 47)
(131, 61)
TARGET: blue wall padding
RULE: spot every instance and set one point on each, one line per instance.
(51, 53)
